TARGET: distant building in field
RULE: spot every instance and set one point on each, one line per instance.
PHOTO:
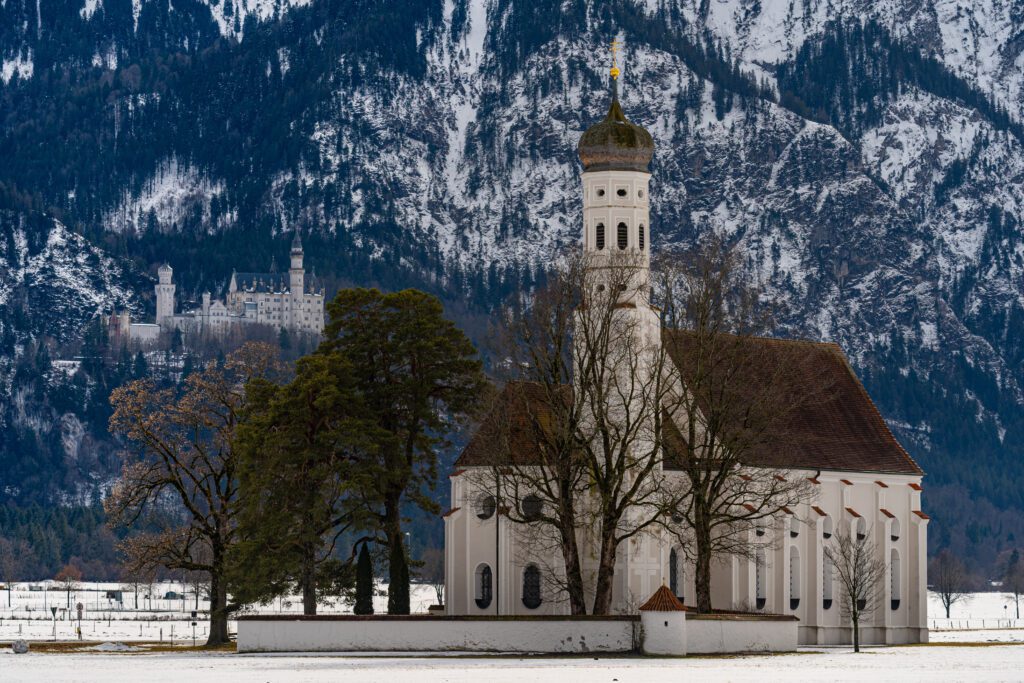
(282, 300)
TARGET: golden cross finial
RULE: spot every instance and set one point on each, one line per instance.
(615, 67)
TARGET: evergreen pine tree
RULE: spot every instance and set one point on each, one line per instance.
(364, 582)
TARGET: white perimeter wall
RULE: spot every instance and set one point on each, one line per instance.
(434, 635)
(716, 636)
(545, 635)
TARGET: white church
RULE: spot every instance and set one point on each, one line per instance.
(863, 482)
(280, 300)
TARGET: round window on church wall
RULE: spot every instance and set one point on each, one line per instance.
(531, 508)
(485, 506)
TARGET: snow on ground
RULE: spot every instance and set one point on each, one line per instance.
(996, 663)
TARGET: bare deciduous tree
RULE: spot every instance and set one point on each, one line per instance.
(1011, 570)
(68, 579)
(860, 574)
(733, 410)
(182, 468)
(590, 377)
(949, 579)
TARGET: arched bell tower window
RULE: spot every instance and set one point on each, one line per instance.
(600, 236)
(643, 241)
(484, 586)
(623, 235)
(894, 530)
(531, 587)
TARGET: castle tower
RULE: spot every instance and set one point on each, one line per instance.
(296, 274)
(616, 154)
(164, 295)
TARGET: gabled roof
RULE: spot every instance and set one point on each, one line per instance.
(512, 433)
(833, 426)
(839, 430)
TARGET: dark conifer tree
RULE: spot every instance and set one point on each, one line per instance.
(364, 582)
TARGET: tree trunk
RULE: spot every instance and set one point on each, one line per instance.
(605, 570)
(947, 608)
(309, 584)
(573, 571)
(702, 573)
(218, 600)
(398, 562)
(856, 632)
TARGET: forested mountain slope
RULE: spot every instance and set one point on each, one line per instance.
(867, 158)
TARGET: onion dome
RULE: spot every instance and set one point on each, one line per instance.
(615, 143)
(165, 268)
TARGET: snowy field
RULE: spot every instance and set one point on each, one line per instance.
(987, 663)
(975, 644)
(157, 619)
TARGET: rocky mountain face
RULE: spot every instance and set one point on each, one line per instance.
(866, 157)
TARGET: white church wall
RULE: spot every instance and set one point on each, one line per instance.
(716, 634)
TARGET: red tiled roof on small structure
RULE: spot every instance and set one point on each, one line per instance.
(663, 601)
(886, 513)
(921, 514)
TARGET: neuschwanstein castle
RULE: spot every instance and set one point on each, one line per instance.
(281, 300)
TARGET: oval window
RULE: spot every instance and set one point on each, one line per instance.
(532, 508)
(600, 192)
(640, 194)
(622, 192)
(485, 506)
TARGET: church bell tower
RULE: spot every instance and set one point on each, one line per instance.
(616, 156)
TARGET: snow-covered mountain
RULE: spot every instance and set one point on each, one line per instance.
(867, 157)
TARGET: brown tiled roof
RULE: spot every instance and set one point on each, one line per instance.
(853, 512)
(837, 427)
(886, 513)
(450, 512)
(819, 511)
(921, 514)
(915, 486)
(841, 431)
(882, 484)
(663, 601)
(847, 482)
(512, 431)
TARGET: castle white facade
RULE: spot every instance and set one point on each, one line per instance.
(862, 482)
(282, 300)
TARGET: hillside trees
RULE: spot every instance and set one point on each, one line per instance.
(416, 377)
(179, 481)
